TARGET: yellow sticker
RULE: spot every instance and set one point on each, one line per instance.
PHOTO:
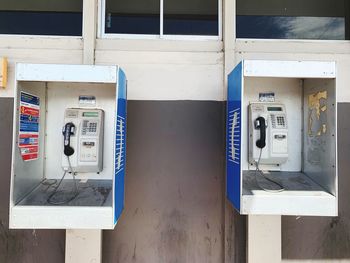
(3, 72)
(317, 107)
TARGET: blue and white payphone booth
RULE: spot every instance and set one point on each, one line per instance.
(69, 146)
(281, 140)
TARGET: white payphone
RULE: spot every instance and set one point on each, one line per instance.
(268, 130)
(83, 140)
(268, 138)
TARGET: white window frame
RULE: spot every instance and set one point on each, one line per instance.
(102, 34)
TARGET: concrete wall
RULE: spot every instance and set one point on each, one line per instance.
(174, 210)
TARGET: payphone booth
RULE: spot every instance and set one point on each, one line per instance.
(69, 146)
(282, 138)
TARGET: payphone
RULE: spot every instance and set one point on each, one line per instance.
(83, 140)
(281, 138)
(268, 139)
(268, 133)
(69, 146)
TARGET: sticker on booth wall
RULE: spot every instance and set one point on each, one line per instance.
(29, 116)
(267, 97)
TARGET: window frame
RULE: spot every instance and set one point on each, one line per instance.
(102, 22)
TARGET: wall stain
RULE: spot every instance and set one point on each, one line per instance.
(134, 255)
(122, 253)
(208, 248)
(136, 210)
(11, 245)
(174, 238)
(336, 242)
(179, 192)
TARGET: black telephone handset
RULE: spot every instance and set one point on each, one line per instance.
(260, 123)
(68, 130)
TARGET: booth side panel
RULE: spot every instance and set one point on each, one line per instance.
(233, 136)
(320, 162)
(29, 138)
(120, 146)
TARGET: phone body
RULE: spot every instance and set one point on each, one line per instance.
(83, 144)
(268, 133)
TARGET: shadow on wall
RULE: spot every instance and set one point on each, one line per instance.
(324, 238)
(21, 246)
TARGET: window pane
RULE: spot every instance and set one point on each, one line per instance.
(132, 17)
(293, 19)
(41, 17)
(191, 17)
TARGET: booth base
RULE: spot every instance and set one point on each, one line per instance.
(90, 193)
(301, 196)
(91, 209)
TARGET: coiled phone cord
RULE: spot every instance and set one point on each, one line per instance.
(76, 192)
(257, 170)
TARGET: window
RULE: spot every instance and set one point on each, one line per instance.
(293, 19)
(132, 17)
(41, 17)
(162, 17)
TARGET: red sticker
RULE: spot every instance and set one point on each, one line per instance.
(29, 111)
(30, 156)
(28, 140)
(30, 149)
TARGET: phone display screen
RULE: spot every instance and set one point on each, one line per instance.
(274, 108)
(90, 114)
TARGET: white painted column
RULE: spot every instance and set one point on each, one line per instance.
(228, 33)
(264, 240)
(86, 245)
(89, 30)
(83, 246)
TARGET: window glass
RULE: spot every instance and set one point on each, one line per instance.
(191, 17)
(293, 19)
(132, 17)
(41, 17)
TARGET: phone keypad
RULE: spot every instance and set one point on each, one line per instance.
(89, 127)
(92, 127)
(280, 121)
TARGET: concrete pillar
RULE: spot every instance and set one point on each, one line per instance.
(264, 239)
(83, 246)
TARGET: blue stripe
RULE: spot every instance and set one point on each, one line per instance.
(120, 154)
(233, 147)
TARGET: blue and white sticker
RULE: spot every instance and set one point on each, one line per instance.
(29, 117)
